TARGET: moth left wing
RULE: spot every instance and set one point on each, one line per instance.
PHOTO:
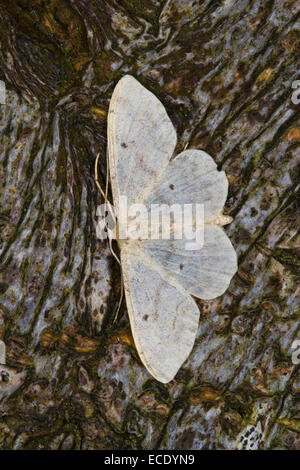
(141, 140)
(163, 316)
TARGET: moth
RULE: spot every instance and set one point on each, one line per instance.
(161, 276)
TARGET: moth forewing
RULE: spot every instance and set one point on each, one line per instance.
(141, 140)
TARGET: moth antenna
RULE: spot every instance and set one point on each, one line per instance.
(107, 203)
(121, 299)
(106, 184)
(113, 252)
(97, 180)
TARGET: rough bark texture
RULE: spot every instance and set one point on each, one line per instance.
(224, 71)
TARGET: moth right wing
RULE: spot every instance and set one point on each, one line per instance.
(163, 316)
(192, 177)
(206, 272)
(141, 140)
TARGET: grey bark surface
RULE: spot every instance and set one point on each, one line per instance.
(224, 71)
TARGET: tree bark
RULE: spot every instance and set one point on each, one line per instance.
(225, 73)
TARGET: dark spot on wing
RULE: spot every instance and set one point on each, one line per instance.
(181, 267)
(4, 376)
(171, 186)
(124, 145)
(145, 317)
